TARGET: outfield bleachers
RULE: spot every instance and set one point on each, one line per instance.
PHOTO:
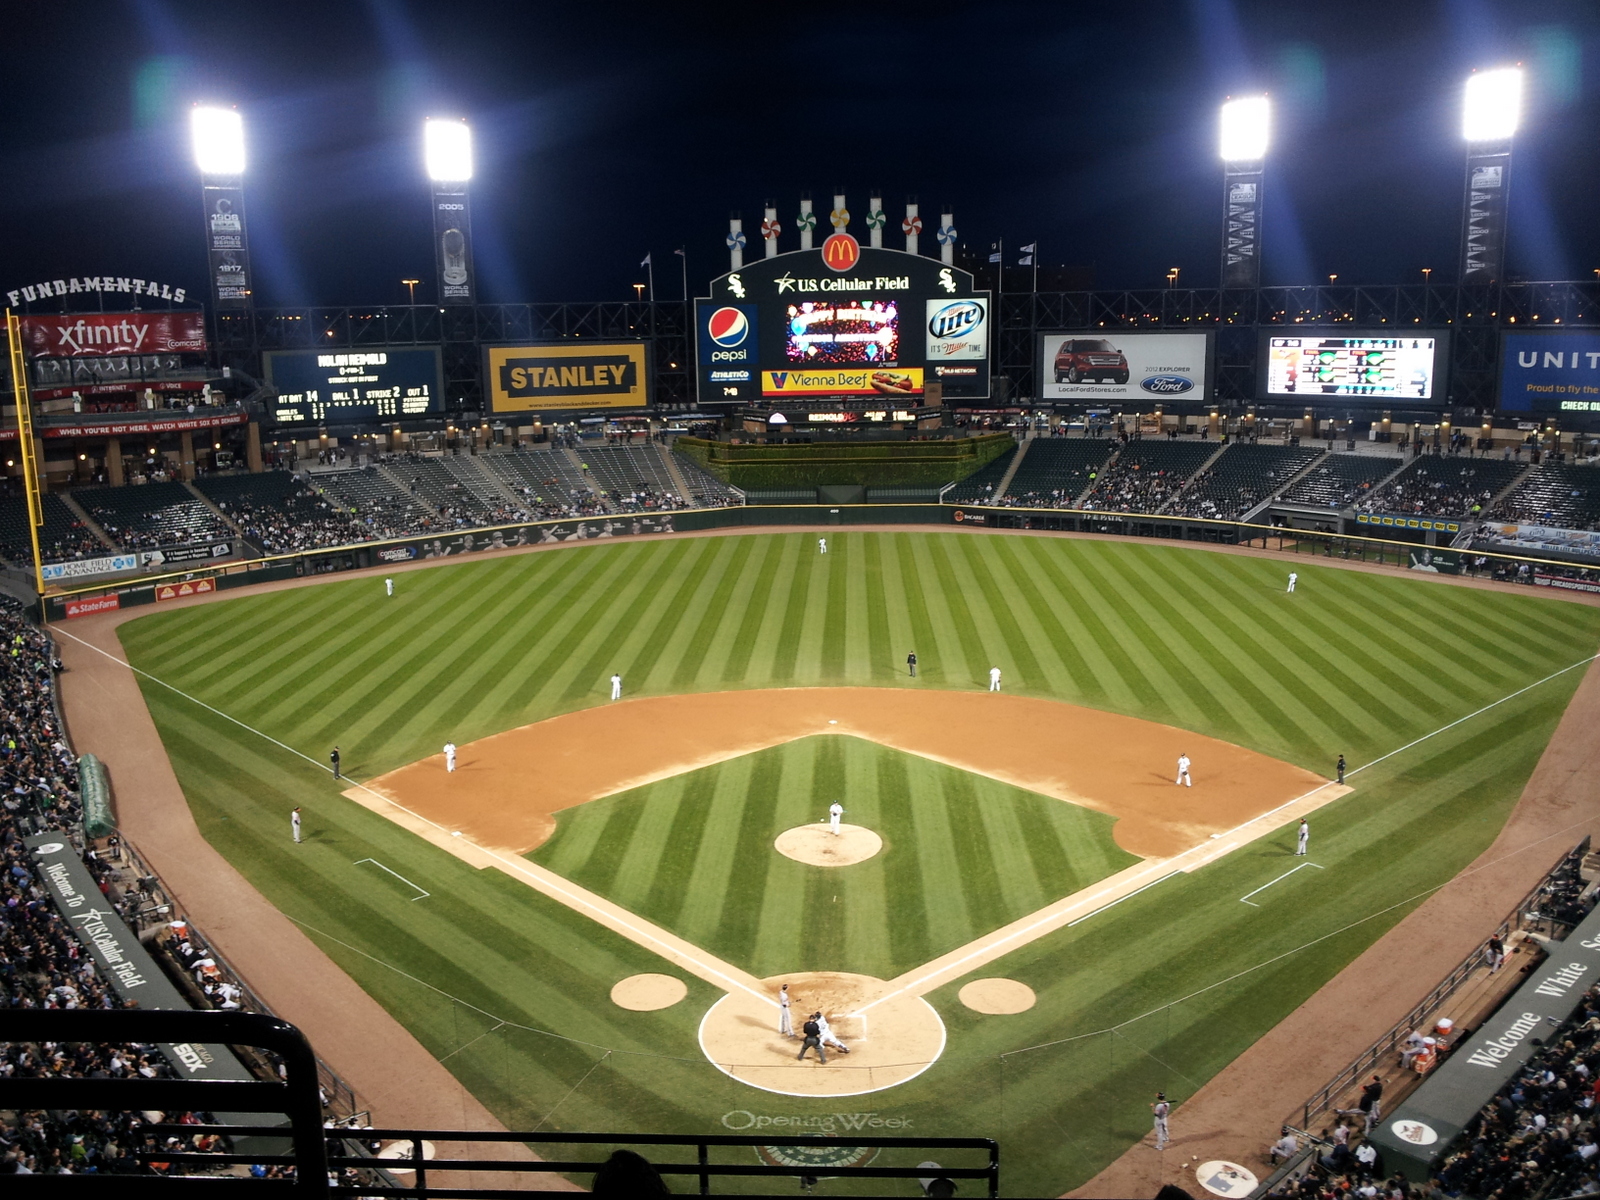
(547, 481)
(1055, 471)
(62, 536)
(147, 515)
(632, 477)
(382, 509)
(1444, 486)
(1146, 474)
(279, 512)
(482, 485)
(438, 485)
(978, 488)
(1242, 478)
(1341, 480)
(1563, 495)
(706, 489)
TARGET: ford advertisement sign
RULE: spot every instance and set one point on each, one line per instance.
(1551, 373)
(1100, 365)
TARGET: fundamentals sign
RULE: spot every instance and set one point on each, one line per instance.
(567, 376)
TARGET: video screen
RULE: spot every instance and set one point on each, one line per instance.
(858, 332)
(1401, 368)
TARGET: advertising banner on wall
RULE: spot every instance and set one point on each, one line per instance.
(80, 335)
(452, 244)
(1148, 367)
(840, 381)
(227, 246)
(1550, 372)
(84, 568)
(567, 376)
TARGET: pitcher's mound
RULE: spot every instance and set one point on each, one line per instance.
(646, 993)
(819, 846)
(999, 997)
(891, 1040)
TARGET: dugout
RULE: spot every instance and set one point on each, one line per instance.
(1424, 1129)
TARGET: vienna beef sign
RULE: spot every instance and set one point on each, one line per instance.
(73, 335)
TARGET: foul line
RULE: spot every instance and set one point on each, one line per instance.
(397, 875)
(545, 881)
(1120, 899)
(1245, 899)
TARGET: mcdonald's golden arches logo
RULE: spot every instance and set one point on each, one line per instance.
(841, 252)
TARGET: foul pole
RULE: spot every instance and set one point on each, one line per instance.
(30, 466)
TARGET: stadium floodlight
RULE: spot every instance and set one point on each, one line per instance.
(1492, 105)
(218, 135)
(447, 147)
(1244, 129)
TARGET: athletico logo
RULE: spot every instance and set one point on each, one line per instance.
(1167, 385)
(728, 326)
(841, 252)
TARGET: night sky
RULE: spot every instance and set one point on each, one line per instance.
(605, 131)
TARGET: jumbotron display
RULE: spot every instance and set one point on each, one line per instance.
(351, 386)
(853, 332)
(1358, 367)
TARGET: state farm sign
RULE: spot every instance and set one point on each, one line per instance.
(71, 335)
(97, 604)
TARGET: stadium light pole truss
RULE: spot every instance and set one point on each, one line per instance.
(447, 155)
(1491, 110)
(1245, 126)
(217, 135)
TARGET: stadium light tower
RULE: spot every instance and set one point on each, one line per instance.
(217, 135)
(1246, 123)
(447, 153)
(1490, 112)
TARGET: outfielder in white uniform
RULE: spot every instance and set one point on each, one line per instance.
(829, 1038)
(1293, 578)
(616, 687)
(1183, 771)
(1161, 1108)
(294, 823)
(449, 756)
(822, 545)
(994, 679)
(835, 811)
(388, 587)
(784, 1026)
(1302, 838)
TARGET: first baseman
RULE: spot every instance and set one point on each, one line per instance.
(1183, 771)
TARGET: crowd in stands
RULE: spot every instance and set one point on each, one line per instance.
(302, 520)
(1134, 486)
(1443, 486)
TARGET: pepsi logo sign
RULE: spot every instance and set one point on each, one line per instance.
(1167, 385)
(956, 320)
(728, 327)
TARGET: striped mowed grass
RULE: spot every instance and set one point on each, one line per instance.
(512, 990)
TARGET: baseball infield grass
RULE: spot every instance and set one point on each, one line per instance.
(511, 990)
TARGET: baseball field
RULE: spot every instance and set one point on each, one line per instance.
(1034, 837)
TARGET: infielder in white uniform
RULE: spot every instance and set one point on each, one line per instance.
(388, 587)
(994, 679)
(1183, 771)
(1161, 1108)
(449, 756)
(616, 687)
(1302, 838)
(829, 1038)
(835, 811)
(822, 545)
(1293, 578)
(294, 822)
(784, 1026)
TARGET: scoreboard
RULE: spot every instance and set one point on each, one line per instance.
(1379, 367)
(353, 386)
(843, 322)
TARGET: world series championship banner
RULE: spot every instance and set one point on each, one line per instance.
(567, 376)
(227, 248)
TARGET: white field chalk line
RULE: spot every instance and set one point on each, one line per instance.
(580, 898)
(1120, 899)
(1245, 899)
(397, 875)
(571, 895)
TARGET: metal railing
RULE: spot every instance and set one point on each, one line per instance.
(1523, 916)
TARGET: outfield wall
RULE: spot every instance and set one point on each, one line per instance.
(85, 601)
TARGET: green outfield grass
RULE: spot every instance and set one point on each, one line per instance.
(962, 855)
(511, 989)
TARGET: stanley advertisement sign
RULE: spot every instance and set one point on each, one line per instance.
(567, 376)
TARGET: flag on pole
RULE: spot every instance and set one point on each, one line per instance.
(679, 252)
(646, 261)
(1030, 247)
(995, 257)
(1025, 261)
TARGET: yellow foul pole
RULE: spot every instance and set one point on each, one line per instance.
(30, 464)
